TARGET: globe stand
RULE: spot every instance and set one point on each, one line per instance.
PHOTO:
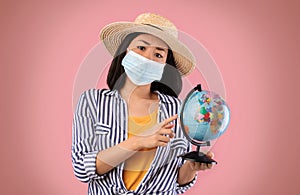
(195, 156)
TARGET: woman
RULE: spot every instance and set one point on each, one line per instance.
(126, 140)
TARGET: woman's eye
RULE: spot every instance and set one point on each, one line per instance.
(158, 55)
(142, 48)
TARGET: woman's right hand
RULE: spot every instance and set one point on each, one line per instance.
(159, 135)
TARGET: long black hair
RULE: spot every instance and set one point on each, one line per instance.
(170, 84)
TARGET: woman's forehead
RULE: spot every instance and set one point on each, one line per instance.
(149, 39)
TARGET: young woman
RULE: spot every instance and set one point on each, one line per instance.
(126, 140)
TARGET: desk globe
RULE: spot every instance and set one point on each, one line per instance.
(204, 116)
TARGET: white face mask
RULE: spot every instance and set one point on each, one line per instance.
(140, 70)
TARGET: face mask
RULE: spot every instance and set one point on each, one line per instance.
(140, 70)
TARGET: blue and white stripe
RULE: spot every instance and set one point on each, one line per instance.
(100, 122)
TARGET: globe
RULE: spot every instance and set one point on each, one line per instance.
(205, 116)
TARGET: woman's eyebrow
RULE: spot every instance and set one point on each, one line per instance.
(158, 48)
(147, 43)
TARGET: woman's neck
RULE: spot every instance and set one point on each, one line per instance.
(130, 90)
(140, 100)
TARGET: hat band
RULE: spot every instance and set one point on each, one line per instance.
(154, 26)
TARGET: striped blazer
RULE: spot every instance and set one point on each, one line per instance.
(100, 122)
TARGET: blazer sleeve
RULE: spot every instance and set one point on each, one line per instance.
(180, 189)
(84, 142)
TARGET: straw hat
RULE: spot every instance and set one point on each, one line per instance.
(113, 34)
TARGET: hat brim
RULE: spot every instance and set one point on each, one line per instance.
(113, 34)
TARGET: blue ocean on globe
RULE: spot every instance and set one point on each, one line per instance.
(205, 116)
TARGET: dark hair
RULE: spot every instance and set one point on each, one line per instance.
(170, 84)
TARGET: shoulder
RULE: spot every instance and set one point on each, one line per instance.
(96, 93)
(93, 92)
(169, 99)
(94, 96)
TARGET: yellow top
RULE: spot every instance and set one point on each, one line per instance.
(137, 166)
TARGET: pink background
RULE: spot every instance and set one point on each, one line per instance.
(256, 45)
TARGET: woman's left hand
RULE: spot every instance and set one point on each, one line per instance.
(189, 169)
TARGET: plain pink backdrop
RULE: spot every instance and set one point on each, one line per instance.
(254, 43)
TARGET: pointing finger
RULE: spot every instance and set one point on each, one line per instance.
(168, 120)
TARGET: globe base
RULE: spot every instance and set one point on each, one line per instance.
(198, 157)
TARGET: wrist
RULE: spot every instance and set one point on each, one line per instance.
(186, 173)
(134, 143)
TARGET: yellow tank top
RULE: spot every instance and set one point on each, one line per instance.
(137, 166)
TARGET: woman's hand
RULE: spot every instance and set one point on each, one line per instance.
(196, 166)
(159, 135)
(188, 171)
